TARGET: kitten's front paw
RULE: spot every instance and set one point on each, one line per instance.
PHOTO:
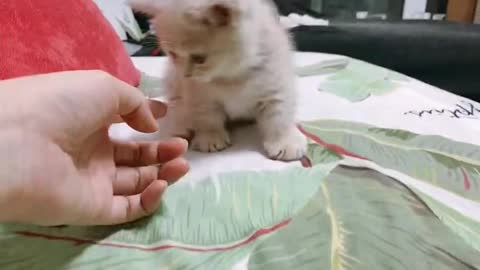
(211, 141)
(291, 146)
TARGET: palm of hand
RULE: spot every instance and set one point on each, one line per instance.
(103, 182)
(86, 188)
(90, 173)
(71, 172)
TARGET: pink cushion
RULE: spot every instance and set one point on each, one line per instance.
(42, 36)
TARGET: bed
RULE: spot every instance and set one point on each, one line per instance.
(391, 181)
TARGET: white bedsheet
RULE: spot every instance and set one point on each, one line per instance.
(387, 111)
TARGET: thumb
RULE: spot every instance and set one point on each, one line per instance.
(133, 107)
(158, 109)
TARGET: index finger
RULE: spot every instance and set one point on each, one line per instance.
(148, 153)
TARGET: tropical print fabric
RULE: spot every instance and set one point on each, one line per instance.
(378, 189)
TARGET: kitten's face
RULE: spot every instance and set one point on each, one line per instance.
(199, 41)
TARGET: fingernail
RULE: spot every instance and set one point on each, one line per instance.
(159, 108)
(182, 141)
(164, 184)
(154, 123)
(181, 162)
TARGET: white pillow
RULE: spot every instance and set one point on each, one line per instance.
(121, 17)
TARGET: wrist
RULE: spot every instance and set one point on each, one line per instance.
(11, 172)
(17, 129)
(17, 98)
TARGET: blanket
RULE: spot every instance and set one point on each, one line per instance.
(391, 181)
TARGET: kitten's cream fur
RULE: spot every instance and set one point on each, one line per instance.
(229, 59)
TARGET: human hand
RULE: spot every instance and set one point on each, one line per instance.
(58, 165)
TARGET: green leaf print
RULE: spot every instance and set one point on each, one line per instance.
(447, 164)
(360, 219)
(323, 217)
(466, 228)
(211, 225)
(346, 89)
(318, 154)
(359, 80)
(323, 67)
(450, 165)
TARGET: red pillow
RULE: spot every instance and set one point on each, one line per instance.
(42, 36)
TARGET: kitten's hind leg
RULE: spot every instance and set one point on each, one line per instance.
(281, 138)
(210, 134)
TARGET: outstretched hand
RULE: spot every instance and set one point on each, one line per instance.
(58, 165)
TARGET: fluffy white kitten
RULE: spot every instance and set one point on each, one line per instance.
(229, 60)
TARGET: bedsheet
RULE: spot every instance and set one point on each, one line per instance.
(391, 181)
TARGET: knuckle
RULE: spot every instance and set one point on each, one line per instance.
(138, 179)
(99, 212)
(99, 74)
(105, 84)
(101, 77)
(152, 174)
(129, 214)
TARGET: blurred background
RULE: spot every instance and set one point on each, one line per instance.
(436, 41)
(452, 10)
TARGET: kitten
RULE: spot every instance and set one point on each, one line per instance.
(228, 60)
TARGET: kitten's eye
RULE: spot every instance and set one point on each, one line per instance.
(198, 59)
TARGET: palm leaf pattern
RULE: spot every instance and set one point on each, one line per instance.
(218, 222)
(356, 81)
(361, 219)
(329, 216)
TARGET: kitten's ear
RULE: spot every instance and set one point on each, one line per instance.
(222, 15)
(216, 15)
